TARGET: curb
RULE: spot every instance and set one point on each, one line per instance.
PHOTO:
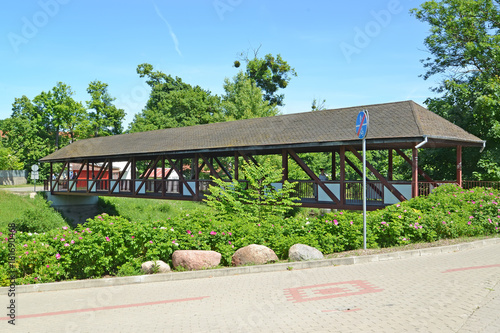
(189, 275)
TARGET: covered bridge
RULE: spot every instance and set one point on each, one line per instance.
(221, 147)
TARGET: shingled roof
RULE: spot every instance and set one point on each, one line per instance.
(392, 125)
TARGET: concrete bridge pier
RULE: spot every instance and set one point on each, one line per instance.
(76, 208)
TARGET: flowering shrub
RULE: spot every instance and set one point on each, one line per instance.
(109, 245)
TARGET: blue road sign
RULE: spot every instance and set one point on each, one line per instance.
(362, 124)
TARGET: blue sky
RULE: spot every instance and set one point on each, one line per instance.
(346, 52)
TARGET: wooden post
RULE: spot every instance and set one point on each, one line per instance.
(390, 166)
(284, 164)
(236, 166)
(459, 166)
(334, 166)
(133, 175)
(414, 173)
(342, 175)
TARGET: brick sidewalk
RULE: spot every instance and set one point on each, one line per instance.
(450, 292)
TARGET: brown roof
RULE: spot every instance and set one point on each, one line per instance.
(392, 125)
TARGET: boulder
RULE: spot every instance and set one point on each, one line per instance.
(300, 252)
(195, 259)
(148, 267)
(253, 254)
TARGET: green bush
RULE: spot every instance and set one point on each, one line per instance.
(109, 245)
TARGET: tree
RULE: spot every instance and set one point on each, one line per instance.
(8, 159)
(464, 44)
(173, 103)
(256, 198)
(318, 104)
(105, 118)
(62, 112)
(243, 100)
(270, 74)
(27, 133)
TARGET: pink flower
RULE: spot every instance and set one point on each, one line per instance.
(469, 222)
(223, 234)
(258, 224)
(36, 278)
(48, 266)
(65, 228)
(133, 237)
(230, 234)
(199, 232)
(66, 244)
(213, 233)
(58, 256)
(229, 242)
(471, 217)
(444, 222)
(26, 252)
(400, 216)
(489, 220)
(62, 239)
(25, 245)
(383, 222)
(80, 238)
(352, 222)
(188, 231)
(107, 239)
(151, 242)
(72, 242)
(173, 242)
(335, 222)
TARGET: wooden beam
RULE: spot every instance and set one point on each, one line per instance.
(459, 166)
(414, 173)
(359, 172)
(181, 176)
(342, 175)
(284, 165)
(313, 176)
(377, 174)
(211, 167)
(79, 171)
(334, 165)
(145, 177)
(99, 175)
(120, 176)
(390, 165)
(420, 171)
(223, 168)
(236, 166)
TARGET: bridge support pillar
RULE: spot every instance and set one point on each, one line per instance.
(76, 208)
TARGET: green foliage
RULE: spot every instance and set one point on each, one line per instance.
(464, 44)
(109, 245)
(260, 196)
(270, 73)
(105, 118)
(244, 100)
(33, 215)
(8, 159)
(173, 103)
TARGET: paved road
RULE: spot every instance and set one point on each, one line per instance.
(454, 292)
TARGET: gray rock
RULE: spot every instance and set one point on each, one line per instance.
(195, 259)
(253, 254)
(148, 267)
(299, 252)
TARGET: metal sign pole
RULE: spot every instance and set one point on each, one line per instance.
(364, 193)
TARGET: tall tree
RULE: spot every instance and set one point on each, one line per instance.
(174, 103)
(105, 118)
(243, 99)
(464, 44)
(269, 73)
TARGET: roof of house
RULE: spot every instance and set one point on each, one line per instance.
(391, 125)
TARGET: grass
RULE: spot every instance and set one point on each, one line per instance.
(134, 209)
(17, 207)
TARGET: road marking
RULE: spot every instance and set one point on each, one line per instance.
(330, 290)
(112, 307)
(469, 268)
